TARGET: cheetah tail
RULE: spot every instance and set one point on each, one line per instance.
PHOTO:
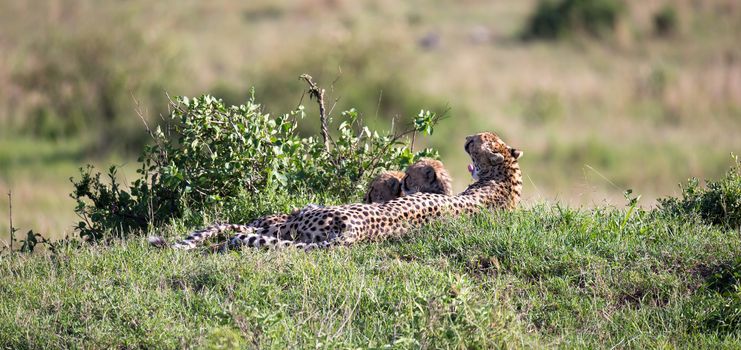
(157, 241)
(197, 237)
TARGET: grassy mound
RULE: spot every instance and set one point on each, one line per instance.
(545, 276)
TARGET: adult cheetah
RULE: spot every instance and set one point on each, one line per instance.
(498, 186)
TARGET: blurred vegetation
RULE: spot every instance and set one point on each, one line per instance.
(559, 19)
(666, 21)
(81, 82)
(362, 76)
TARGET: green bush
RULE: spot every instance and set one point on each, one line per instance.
(555, 20)
(718, 203)
(212, 155)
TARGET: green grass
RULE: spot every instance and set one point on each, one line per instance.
(545, 276)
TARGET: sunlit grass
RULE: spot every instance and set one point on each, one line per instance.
(548, 276)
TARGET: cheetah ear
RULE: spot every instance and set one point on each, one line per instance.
(397, 189)
(368, 199)
(430, 174)
(516, 153)
(496, 158)
(403, 184)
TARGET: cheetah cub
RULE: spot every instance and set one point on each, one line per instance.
(426, 175)
(384, 187)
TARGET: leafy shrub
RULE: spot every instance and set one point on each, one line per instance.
(719, 203)
(212, 154)
(555, 20)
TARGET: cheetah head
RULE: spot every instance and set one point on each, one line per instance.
(490, 155)
(385, 187)
(427, 175)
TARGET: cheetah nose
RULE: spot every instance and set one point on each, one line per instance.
(470, 168)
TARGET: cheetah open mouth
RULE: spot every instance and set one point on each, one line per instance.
(470, 169)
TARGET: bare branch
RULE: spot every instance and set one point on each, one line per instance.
(393, 140)
(378, 105)
(318, 94)
(334, 104)
(140, 111)
(331, 87)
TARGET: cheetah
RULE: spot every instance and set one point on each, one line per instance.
(497, 186)
(427, 175)
(384, 187)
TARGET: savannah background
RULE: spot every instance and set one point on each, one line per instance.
(639, 108)
(634, 95)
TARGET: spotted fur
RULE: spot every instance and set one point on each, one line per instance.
(425, 175)
(498, 186)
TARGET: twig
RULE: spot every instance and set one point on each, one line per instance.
(331, 87)
(396, 137)
(140, 112)
(334, 104)
(10, 218)
(318, 94)
(339, 75)
(378, 105)
(383, 151)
